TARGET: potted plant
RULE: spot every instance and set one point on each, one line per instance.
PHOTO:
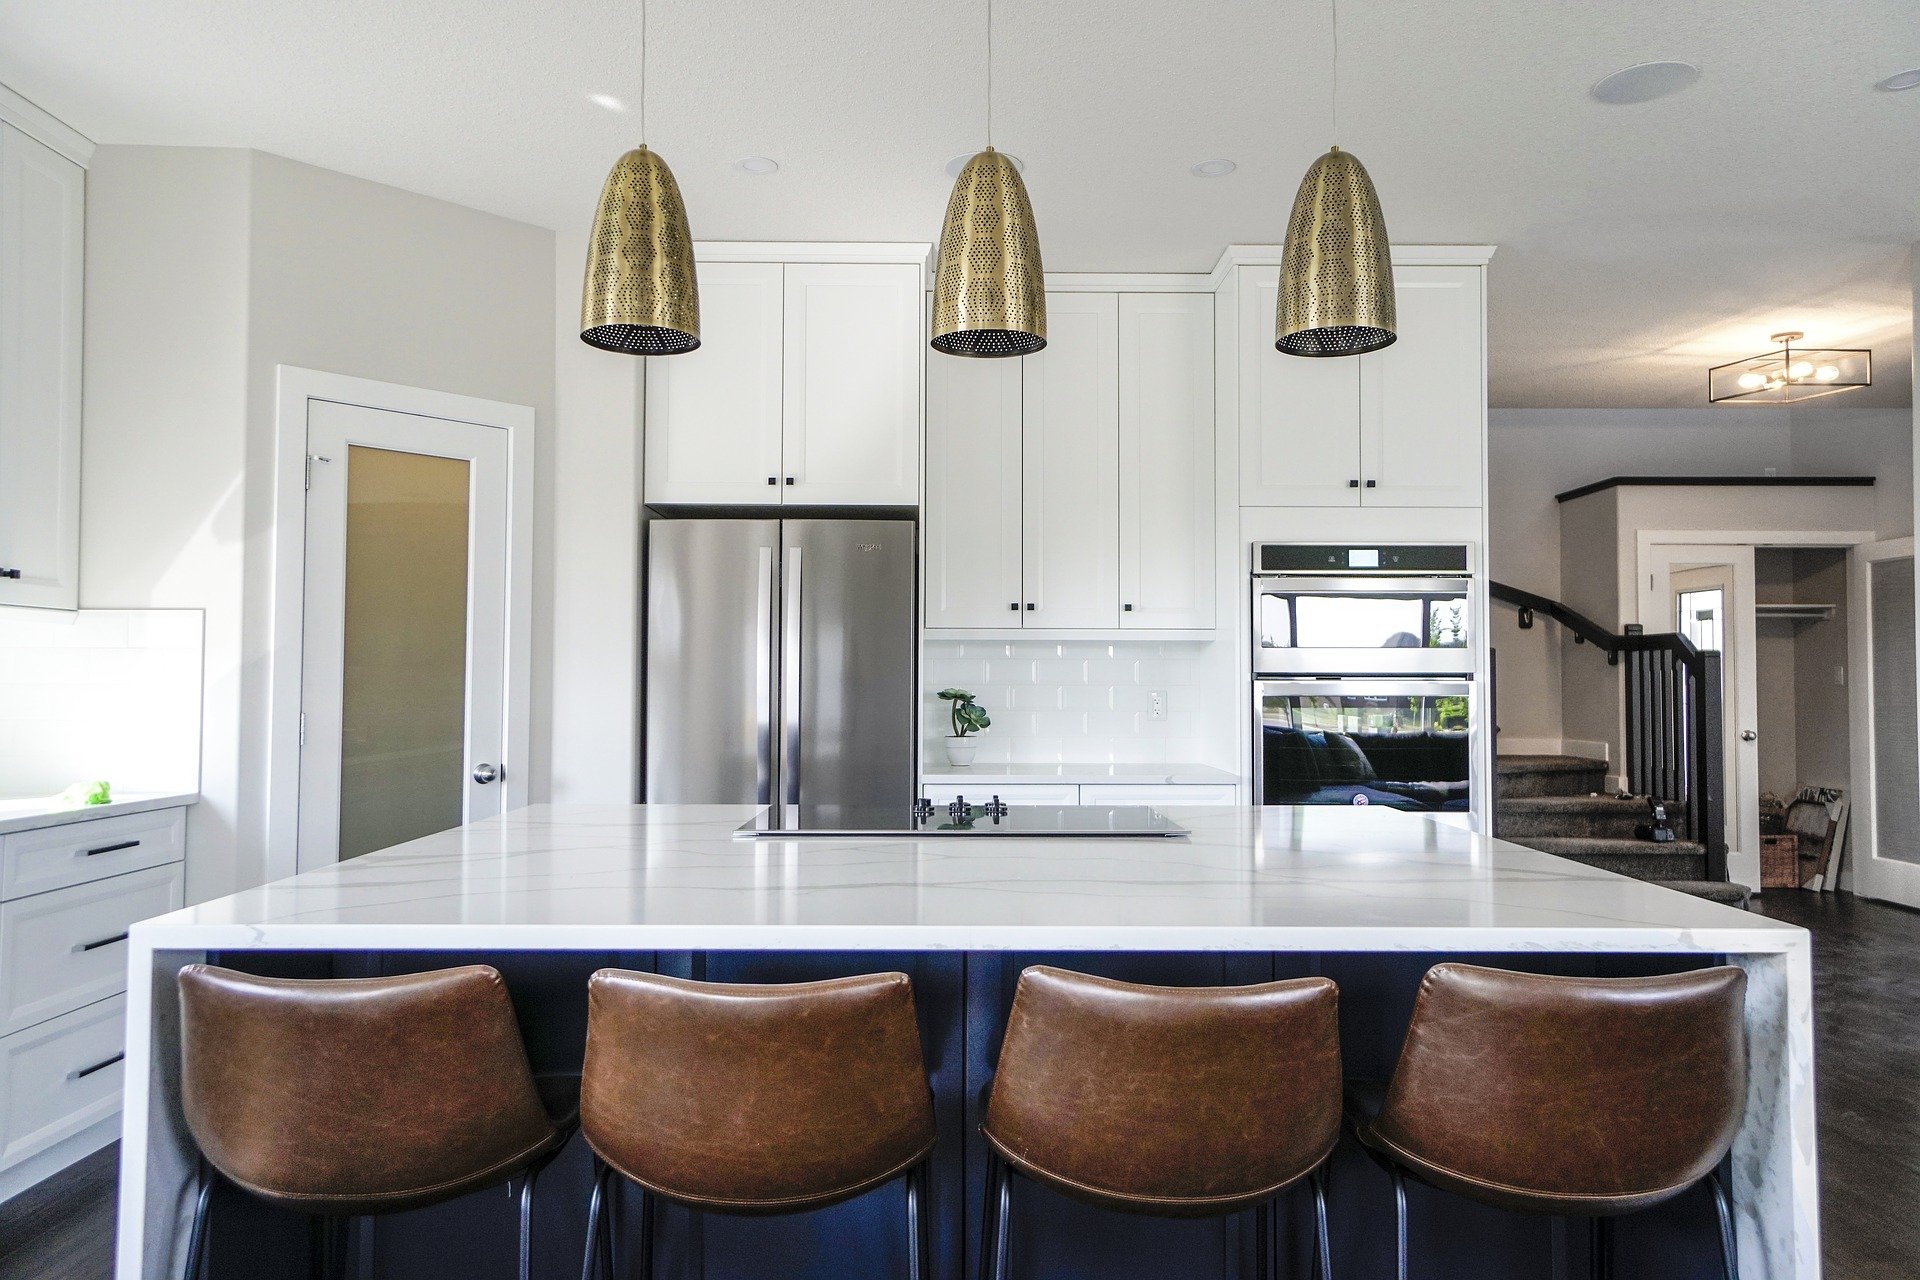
(969, 718)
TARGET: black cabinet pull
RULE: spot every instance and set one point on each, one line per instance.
(773, 480)
(1015, 606)
(111, 848)
(1029, 608)
(104, 942)
(1372, 484)
(84, 1072)
(789, 479)
(1353, 484)
(9, 573)
(1126, 608)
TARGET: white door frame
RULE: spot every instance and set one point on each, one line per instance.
(294, 387)
(1889, 878)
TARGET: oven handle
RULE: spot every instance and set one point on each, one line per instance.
(1304, 584)
(1385, 686)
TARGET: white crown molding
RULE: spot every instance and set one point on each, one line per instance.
(1126, 282)
(1404, 255)
(45, 128)
(810, 251)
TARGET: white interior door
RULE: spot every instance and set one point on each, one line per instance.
(403, 674)
(1884, 843)
(1706, 593)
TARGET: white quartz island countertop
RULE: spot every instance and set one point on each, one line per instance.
(643, 877)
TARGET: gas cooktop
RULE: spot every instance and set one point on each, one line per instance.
(925, 818)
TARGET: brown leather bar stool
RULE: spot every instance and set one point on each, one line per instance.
(743, 1099)
(1173, 1101)
(358, 1096)
(1585, 1096)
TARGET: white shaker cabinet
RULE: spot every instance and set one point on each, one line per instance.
(971, 561)
(805, 389)
(42, 216)
(1166, 460)
(1071, 481)
(1400, 427)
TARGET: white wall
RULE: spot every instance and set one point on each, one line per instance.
(205, 270)
(1832, 438)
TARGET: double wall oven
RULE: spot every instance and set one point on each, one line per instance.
(1363, 689)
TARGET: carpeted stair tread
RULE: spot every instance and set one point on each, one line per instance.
(1726, 892)
(1548, 776)
(1522, 817)
(1641, 859)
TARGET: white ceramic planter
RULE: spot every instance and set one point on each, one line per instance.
(961, 751)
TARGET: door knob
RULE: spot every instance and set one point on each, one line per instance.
(485, 773)
(1748, 735)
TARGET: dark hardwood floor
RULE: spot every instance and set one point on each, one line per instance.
(1866, 973)
(1866, 984)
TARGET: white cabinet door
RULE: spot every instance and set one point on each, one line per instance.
(853, 360)
(713, 415)
(1423, 400)
(60, 1077)
(1299, 416)
(1158, 793)
(1071, 390)
(1166, 460)
(42, 216)
(972, 515)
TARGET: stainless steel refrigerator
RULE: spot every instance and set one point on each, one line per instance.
(780, 662)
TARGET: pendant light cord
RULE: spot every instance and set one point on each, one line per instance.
(989, 75)
(643, 72)
(1335, 5)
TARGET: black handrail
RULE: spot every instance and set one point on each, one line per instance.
(1673, 708)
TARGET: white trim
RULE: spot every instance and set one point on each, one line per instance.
(1650, 611)
(1404, 255)
(45, 128)
(294, 387)
(1870, 874)
(1510, 746)
(1127, 282)
(913, 251)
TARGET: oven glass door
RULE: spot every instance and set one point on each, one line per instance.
(1360, 625)
(1400, 743)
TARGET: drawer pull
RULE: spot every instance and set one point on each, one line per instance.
(104, 942)
(84, 1072)
(110, 848)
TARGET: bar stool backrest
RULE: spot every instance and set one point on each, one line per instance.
(1570, 1094)
(1181, 1101)
(755, 1099)
(357, 1095)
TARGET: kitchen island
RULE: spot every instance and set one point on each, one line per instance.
(1370, 897)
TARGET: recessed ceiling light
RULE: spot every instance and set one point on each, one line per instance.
(757, 164)
(955, 165)
(607, 101)
(1900, 80)
(1214, 168)
(1644, 83)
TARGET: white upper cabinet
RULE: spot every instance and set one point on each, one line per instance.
(1071, 480)
(805, 389)
(853, 361)
(42, 216)
(1399, 427)
(1166, 460)
(972, 517)
(1299, 417)
(713, 415)
(1423, 399)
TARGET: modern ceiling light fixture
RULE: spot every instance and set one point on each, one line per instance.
(1900, 81)
(1790, 375)
(759, 166)
(1643, 82)
(1336, 269)
(1214, 168)
(641, 295)
(989, 291)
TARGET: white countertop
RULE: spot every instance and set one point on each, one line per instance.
(1006, 775)
(35, 814)
(670, 877)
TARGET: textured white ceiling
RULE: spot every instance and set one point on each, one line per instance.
(1637, 244)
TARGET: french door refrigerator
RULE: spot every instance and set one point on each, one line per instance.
(780, 662)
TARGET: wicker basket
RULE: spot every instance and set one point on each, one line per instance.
(1780, 862)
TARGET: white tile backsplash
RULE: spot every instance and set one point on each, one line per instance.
(1070, 702)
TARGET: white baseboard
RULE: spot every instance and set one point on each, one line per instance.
(1508, 745)
(40, 1166)
(1588, 749)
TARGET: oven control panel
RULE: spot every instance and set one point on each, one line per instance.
(1292, 557)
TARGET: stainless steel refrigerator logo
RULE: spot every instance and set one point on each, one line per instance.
(868, 546)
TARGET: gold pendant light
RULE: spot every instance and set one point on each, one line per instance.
(641, 295)
(989, 292)
(1336, 271)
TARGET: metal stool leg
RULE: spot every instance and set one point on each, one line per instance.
(919, 1243)
(1723, 1207)
(645, 1248)
(1000, 1191)
(1322, 1246)
(527, 1181)
(1400, 1215)
(1600, 1248)
(989, 1215)
(596, 1206)
(1262, 1251)
(197, 1234)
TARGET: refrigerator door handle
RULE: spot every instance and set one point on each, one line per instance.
(763, 678)
(790, 677)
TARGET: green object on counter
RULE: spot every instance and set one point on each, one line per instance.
(85, 793)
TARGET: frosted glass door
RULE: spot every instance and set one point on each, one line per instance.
(404, 644)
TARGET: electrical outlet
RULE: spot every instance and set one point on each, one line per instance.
(1840, 676)
(1157, 704)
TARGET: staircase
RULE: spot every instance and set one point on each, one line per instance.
(1558, 805)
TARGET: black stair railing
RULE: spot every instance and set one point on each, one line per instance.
(1673, 709)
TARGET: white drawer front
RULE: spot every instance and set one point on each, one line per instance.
(1020, 793)
(60, 1077)
(67, 948)
(76, 852)
(1157, 793)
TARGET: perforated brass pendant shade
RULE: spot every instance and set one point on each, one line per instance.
(640, 295)
(1336, 272)
(989, 295)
